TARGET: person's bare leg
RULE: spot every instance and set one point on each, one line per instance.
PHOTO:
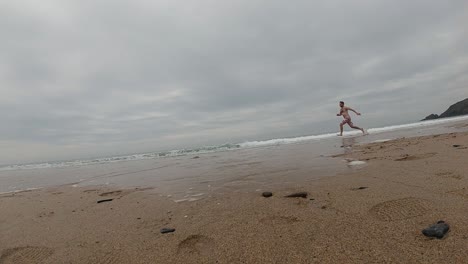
(341, 129)
(362, 130)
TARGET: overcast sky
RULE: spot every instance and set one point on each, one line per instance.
(87, 78)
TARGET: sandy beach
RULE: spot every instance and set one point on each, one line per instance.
(373, 213)
(233, 132)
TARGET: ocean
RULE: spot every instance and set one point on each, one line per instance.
(216, 166)
(228, 146)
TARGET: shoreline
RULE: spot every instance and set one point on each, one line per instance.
(374, 213)
(456, 122)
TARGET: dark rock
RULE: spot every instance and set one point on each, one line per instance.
(105, 200)
(457, 109)
(167, 230)
(460, 108)
(438, 230)
(360, 188)
(196, 157)
(430, 117)
(267, 194)
(298, 194)
(456, 146)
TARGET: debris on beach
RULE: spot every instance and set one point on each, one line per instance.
(196, 157)
(167, 230)
(456, 146)
(267, 194)
(360, 188)
(105, 200)
(438, 230)
(298, 194)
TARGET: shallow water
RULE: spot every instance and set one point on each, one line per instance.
(244, 169)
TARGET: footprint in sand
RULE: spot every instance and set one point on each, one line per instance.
(19, 255)
(449, 174)
(460, 192)
(279, 220)
(123, 192)
(113, 193)
(90, 191)
(45, 214)
(197, 244)
(400, 209)
(415, 157)
(115, 256)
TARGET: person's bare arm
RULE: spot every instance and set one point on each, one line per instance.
(357, 113)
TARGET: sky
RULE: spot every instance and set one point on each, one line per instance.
(89, 78)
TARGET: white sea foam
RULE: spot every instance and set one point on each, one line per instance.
(225, 147)
(356, 163)
(280, 141)
(352, 133)
(381, 140)
(17, 191)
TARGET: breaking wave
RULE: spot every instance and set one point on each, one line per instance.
(225, 147)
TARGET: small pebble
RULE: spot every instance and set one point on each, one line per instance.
(438, 230)
(105, 200)
(167, 230)
(360, 188)
(267, 194)
(298, 194)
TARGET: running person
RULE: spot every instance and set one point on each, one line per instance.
(347, 118)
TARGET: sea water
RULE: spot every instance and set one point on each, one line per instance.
(241, 166)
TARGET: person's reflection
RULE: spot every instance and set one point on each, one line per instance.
(347, 144)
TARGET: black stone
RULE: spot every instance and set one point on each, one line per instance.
(430, 117)
(438, 230)
(298, 194)
(167, 230)
(360, 188)
(456, 146)
(196, 157)
(457, 109)
(105, 200)
(267, 194)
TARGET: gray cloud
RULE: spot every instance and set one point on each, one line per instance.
(87, 78)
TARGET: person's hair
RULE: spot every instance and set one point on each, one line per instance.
(341, 102)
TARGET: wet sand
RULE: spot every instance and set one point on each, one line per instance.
(408, 184)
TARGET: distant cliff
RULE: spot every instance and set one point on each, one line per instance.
(460, 108)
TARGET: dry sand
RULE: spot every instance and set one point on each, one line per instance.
(411, 184)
